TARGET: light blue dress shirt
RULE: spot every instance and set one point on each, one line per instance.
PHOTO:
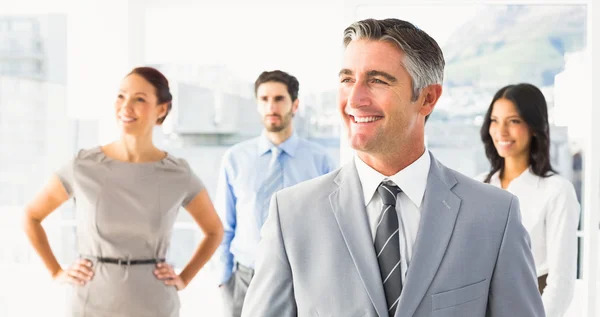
(243, 171)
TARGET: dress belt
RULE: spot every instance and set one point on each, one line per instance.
(128, 261)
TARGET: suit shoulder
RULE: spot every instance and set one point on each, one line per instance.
(485, 196)
(316, 188)
(305, 199)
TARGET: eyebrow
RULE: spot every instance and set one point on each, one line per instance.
(371, 73)
(267, 96)
(390, 78)
(137, 93)
(345, 71)
(509, 117)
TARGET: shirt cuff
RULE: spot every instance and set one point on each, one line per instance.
(225, 272)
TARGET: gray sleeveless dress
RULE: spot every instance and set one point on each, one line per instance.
(127, 211)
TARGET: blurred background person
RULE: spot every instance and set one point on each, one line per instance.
(251, 172)
(516, 137)
(128, 194)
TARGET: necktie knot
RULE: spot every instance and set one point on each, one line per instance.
(388, 193)
(275, 152)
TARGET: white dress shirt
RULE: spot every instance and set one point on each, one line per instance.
(550, 213)
(412, 180)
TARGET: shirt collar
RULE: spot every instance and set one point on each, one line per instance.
(288, 146)
(412, 179)
(527, 178)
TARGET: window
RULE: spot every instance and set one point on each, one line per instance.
(32, 119)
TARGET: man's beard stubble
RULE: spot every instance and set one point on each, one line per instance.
(285, 122)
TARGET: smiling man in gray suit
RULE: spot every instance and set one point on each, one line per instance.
(394, 232)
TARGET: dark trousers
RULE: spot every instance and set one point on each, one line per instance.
(234, 291)
(542, 282)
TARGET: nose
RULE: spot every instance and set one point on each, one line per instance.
(270, 106)
(127, 104)
(501, 129)
(358, 95)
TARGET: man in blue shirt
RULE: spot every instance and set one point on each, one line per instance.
(251, 172)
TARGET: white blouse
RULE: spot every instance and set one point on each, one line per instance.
(550, 213)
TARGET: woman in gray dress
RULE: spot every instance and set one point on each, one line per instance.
(128, 194)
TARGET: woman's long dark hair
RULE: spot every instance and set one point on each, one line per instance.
(531, 105)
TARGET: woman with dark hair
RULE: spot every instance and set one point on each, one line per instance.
(128, 194)
(516, 137)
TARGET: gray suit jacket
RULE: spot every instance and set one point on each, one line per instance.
(471, 257)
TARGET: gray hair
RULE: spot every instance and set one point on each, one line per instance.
(424, 60)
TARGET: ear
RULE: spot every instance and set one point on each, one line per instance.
(295, 105)
(162, 110)
(430, 96)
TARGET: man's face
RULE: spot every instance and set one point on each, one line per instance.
(375, 97)
(275, 105)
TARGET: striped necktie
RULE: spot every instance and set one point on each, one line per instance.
(387, 246)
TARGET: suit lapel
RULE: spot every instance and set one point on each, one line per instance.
(348, 206)
(438, 216)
